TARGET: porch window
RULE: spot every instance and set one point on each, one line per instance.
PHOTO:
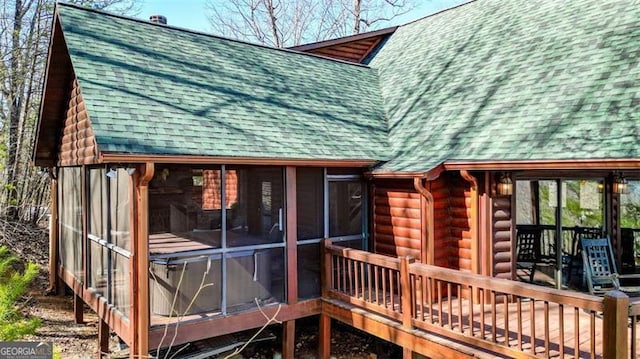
(109, 237)
(630, 227)
(220, 229)
(330, 205)
(557, 213)
(346, 220)
(70, 220)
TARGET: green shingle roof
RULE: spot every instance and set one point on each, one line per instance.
(490, 80)
(152, 89)
(513, 80)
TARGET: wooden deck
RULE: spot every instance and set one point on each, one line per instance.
(498, 317)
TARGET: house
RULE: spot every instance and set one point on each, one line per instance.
(195, 177)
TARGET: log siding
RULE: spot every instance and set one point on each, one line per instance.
(78, 144)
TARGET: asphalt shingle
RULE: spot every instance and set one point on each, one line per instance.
(499, 80)
(152, 89)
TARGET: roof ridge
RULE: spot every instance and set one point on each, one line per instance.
(201, 33)
(438, 12)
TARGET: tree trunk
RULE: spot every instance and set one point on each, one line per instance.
(357, 11)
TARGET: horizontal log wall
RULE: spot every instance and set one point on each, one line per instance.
(461, 221)
(444, 252)
(78, 144)
(397, 218)
(502, 241)
(452, 217)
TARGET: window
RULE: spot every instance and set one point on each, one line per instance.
(70, 221)
(109, 238)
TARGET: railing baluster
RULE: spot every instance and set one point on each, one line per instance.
(472, 290)
(592, 333)
(356, 278)
(634, 322)
(376, 282)
(362, 285)
(430, 298)
(506, 319)
(369, 288)
(493, 317)
(344, 274)
(384, 286)
(460, 307)
(532, 318)
(519, 321)
(482, 302)
(439, 284)
(546, 328)
(422, 293)
(449, 306)
(576, 332)
(561, 323)
(392, 290)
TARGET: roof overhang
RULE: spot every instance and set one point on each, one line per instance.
(516, 165)
(187, 159)
(58, 75)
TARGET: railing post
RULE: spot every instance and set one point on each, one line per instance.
(324, 335)
(615, 322)
(327, 268)
(405, 284)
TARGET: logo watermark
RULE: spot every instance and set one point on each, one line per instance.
(26, 350)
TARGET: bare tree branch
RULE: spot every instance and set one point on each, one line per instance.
(288, 23)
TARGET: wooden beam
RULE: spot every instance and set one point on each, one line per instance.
(473, 221)
(141, 259)
(291, 235)
(288, 339)
(53, 233)
(324, 337)
(78, 309)
(185, 159)
(217, 326)
(427, 220)
(577, 164)
(103, 338)
(288, 327)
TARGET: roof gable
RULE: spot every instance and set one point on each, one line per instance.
(494, 81)
(354, 48)
(152, 89)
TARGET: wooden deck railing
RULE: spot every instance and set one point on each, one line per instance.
(501, 316)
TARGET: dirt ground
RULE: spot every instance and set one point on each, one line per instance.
(73, 340)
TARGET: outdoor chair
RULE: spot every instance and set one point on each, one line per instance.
(573, 259)
(528, 245)
(600, 268)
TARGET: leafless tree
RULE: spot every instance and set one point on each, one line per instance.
(283, 23)
(24, 31)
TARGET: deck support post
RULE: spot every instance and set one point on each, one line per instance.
(103, 338)
(324, 337)
(288, 339)
(78, 309)
(140, 265)
(615, 321)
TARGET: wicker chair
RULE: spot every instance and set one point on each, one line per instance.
(600, 268)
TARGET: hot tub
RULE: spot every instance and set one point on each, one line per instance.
(248, 276)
